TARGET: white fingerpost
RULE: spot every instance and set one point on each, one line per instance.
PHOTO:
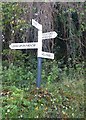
(37, 45)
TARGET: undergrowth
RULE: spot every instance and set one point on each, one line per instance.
(61, 94)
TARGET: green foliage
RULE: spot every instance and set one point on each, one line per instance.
(62, 91)
(64, 99)
(18, 76)
(14, 24)
(13, 14)
(69, 96)
(61, 94)
(50, 71)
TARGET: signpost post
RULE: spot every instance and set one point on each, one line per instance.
(39, 68)
(37, 45)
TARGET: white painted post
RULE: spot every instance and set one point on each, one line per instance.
(39, 42)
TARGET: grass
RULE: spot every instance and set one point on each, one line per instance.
(63, 99)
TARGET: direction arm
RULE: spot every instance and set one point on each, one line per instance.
(36, 24)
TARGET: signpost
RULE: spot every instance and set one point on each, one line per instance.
(37, 45)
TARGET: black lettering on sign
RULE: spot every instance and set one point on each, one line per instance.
(15, 46)
(46, 54)
(24, 45)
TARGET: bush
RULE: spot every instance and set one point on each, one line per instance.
(18, 76)
(61, 94)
